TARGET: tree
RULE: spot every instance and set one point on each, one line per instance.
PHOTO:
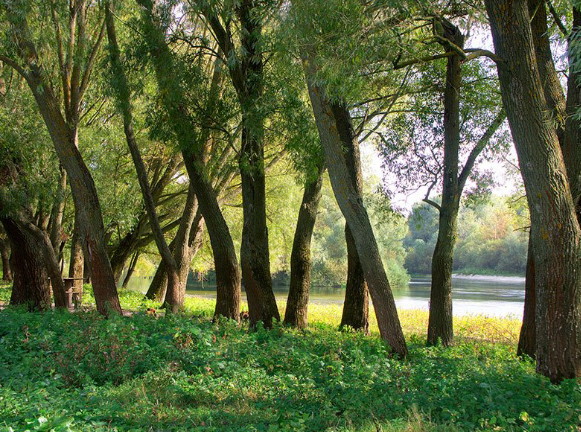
(194, 153)
(246, 69)
(564, 116)
(555, 231)
(75, 62)
(440, 155)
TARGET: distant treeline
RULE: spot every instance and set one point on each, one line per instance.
(492, 238)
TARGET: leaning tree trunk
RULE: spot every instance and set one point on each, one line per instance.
(527, 339)
(336, 137)
(225, 260)
(301, 263)
(555, 231)
(84, 196)
(158, 286)
(175, 293)
(356, 305)
(130, 270)
(5, 253)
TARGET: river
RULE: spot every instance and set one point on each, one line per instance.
(473, 295)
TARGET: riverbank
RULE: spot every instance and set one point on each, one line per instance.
(74, 372)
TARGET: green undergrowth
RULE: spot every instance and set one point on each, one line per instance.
(74, 372)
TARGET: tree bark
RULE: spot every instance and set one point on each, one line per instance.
(547, 72)
(567, 127)
(5, 253)
(571, 146)
(301, 263)
(158, 286)
(350, 202)
(356, 305)
(527, 340)
(34, 264)
(248, 80)
(440, 323)
(555, 231)
(247, 75)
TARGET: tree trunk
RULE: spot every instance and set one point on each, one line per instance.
(567, 128)
(158, 286)
(56, 218)
(552, 88)
(130, 269)
(572, 144)
(356, 305)
(225, 261)
(175, 293)
(5, 253)
(35, 266)
(336, 137)
(248, 80)
(527, 339)
(300, 276)
(555, 231)
(440, 323)
(122, 252)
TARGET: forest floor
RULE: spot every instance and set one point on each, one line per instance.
(75, 372)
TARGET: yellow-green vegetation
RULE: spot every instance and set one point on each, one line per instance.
(75, 372)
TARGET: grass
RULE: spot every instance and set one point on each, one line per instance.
(76, 372)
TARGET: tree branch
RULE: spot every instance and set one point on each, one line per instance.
(480, 145)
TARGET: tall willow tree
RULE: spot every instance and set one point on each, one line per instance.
(329, 91)
(75, 37)
(244, 49)
(195, 153)
(555, 231)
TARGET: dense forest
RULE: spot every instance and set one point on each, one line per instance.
(168, 136)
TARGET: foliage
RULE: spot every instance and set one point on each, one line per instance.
(492, 237)
(330, 252)
(187, 373)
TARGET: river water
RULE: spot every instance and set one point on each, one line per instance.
(472, 295)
